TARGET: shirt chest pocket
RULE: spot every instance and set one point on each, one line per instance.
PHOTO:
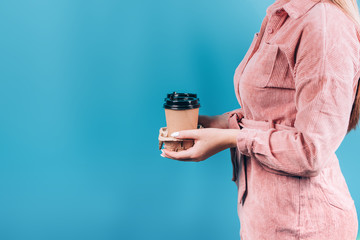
(272, 68)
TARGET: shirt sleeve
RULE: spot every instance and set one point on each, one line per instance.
(327, 61)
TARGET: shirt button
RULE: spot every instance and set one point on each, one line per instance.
(270, 30)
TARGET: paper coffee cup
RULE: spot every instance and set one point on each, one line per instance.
(182, 113)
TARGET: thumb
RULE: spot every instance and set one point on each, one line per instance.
(186, 134)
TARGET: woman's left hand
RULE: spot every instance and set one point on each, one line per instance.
(208, 141)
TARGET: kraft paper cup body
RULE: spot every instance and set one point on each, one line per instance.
(178, 120)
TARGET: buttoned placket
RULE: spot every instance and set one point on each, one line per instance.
(268, 28)
(275, 22)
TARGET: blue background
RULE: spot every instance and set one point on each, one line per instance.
(81, 91)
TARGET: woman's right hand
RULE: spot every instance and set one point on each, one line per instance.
(218, 121)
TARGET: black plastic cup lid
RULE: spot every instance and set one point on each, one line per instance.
(181, 95)
(181, 101)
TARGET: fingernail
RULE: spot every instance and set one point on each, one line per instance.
(162, 155)
(175, 134)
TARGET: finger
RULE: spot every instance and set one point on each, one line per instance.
(186, 134)
(182, 155)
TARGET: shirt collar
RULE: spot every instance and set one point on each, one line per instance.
(294, 8)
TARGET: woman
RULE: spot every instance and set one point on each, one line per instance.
(297, 86)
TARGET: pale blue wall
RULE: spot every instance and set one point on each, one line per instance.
(81, 91)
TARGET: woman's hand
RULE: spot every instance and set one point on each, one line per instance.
(218, 121)
(208, 141)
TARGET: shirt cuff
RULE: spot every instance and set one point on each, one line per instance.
(233, 121)
(251, 141)
(245, 141)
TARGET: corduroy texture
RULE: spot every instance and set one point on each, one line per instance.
(296, 86)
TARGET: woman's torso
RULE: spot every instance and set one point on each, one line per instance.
(278, 206)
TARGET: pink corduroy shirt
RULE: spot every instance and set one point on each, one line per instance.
(296, 86)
